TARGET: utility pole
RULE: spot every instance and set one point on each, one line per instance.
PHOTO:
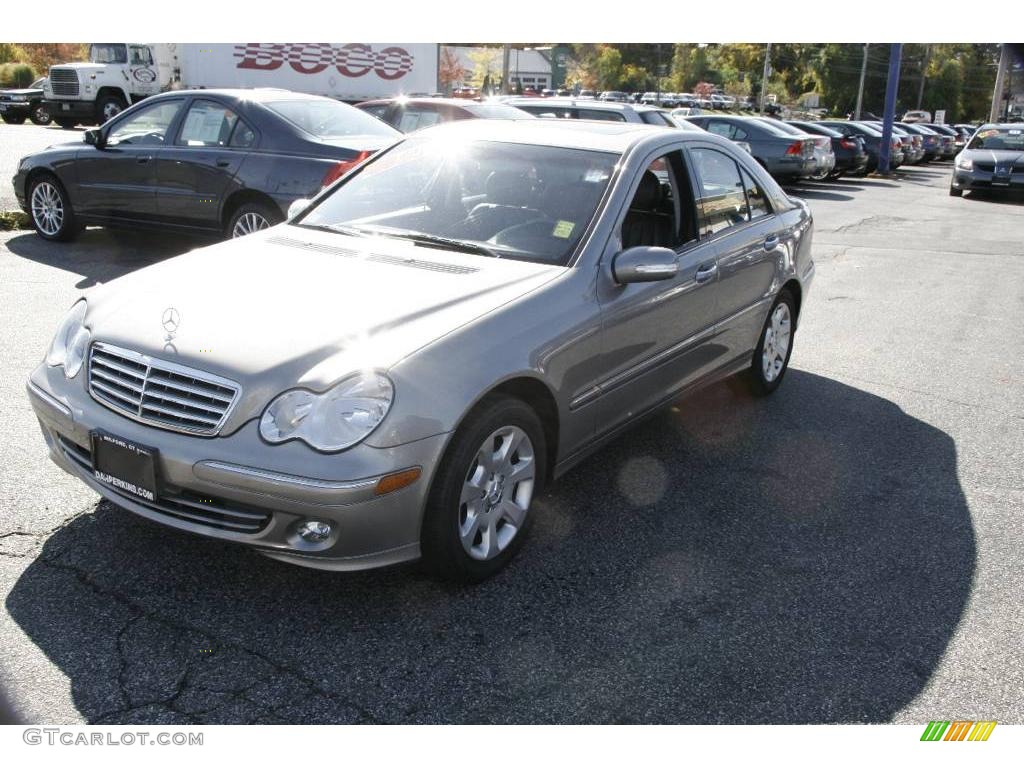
(891, 87)
(767, 73)
(860, 88)
(997, 92)
(506, 50)
(924, 68)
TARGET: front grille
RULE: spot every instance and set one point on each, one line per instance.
(63, 81)
(159, 393)
(181, 504)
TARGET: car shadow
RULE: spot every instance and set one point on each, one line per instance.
(100, 254)
(816, 193)
(803, 558)
(1005, 197)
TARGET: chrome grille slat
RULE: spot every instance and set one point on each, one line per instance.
(64, 81)
(159, 392)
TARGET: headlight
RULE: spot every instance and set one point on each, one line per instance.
(965, 163)
(19, 98)
(68, 347)
(334, 420)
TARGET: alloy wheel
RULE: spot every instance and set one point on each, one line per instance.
(775, 348)
(248, 223)
(42, 115)
(497, 492)
(47, 208)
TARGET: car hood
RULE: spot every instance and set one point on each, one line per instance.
(84, 66)
(297, 307)
(1000, 156)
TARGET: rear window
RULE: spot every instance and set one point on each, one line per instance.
(328, 119)
(869, 130)
(776, 128)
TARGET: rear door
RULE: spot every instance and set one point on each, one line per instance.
(737, 219)
(196, 173)
(120, 180)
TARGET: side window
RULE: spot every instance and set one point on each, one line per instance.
(757, 201)
(721, 129)
(414, 118)
(723, 201)
(141, 57)
(600, 114)
(661, 210)
(243, 136)
(207, 124)
(147, 127)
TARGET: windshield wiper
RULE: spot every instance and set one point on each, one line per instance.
(430, 241)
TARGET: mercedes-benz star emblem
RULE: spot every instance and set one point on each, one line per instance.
(171, 320)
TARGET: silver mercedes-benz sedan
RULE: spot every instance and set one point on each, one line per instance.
(396, 371)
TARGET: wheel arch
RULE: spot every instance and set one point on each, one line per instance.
(793, 286)
(239, 198)
(113, 90)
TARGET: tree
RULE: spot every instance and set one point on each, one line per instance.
(450, 71)
(608, 68)
(44, 55)
(486, 66)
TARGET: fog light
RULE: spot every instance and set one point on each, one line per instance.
(314, 530)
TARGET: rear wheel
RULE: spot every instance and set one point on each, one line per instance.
(478, 510)
(40, 115)
(771, 358)
(65, 123)
(252, 217)
(50, 209)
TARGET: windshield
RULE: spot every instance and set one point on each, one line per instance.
(326, 118)
(508, 200)
(498, 112)
(108, 53)
(999, 138)
(38, 84)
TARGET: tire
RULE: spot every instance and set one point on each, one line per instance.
(109, 107)
(835, 176)
(13, 120)
(50, 210)
(475, 522)
(40, 114)
(954, 192)
(65, 123)
(251, 217)
(766, 378)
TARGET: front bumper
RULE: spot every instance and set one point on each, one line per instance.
(15, 108)
(83, 110)
(978, 179)
(235, 488)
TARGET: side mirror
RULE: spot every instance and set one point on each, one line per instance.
(644, 264)
(297, 207)
(94, 138)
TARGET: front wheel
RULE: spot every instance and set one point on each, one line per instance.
(40, 115)
(771, 358)
(109, 107)
(50, 209)
(954, 192)
(479, 505)
(12, 120)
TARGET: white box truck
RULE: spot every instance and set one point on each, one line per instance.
(120, 74)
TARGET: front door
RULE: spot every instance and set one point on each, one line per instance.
(119, 180)
(658, 336)
(196, 172)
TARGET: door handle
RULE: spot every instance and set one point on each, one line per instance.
(143, 160)
(222, 163)
(706, 273)
(771, 243)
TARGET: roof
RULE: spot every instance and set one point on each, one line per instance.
(576, 134)
(585, 103)
(249, 94)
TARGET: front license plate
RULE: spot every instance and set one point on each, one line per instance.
(66, 107)
(124, 466)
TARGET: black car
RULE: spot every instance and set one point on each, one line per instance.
(228, 161)
(992, 160)
(870, 136)
(19, 104)
(851, 157)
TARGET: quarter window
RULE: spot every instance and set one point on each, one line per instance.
(207, 124)
(722, 198)
(147, 127)
(757, 201)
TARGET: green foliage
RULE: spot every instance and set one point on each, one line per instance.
(16, 75)
(14, 220)
(12, 52)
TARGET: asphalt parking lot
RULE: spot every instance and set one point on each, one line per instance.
(848, 550)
